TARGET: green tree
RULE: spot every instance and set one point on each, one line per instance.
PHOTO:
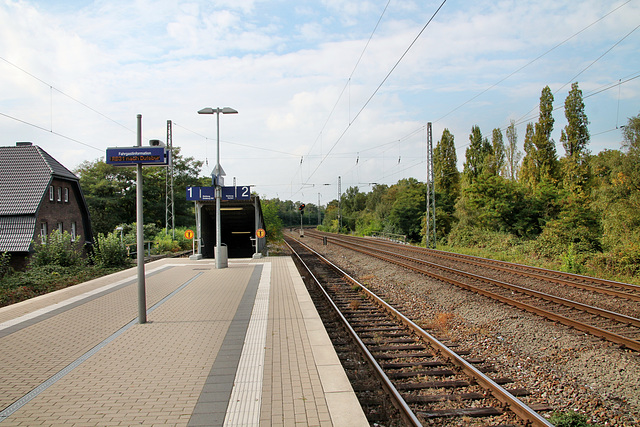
(496, 161)
(546, 156)
(408, 209)
(494, 203)
(272, 222)
(110, 192)
(445, 170)
(541, 160)
(575, 138)
(353, 202)
(528, 171)
(512, 154)
(631, 136)
(476, 155)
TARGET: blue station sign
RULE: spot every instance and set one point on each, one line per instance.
(132, 156)
(228, 193)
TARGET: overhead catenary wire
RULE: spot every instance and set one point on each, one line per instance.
(364, 106)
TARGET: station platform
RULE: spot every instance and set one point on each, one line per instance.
(240, 346)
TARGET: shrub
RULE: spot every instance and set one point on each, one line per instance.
(108, 251)
(569, 419)
(164, 243)
(58, 249)
(5, 265)
(474, 237)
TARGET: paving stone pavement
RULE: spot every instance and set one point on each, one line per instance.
(159, 373)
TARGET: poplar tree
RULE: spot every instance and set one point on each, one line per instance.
(476, 155)
(575, 138)
(546, 156)
(512, 154)
(541, 160)
(445, 167)
(529, 171)
(497, 158)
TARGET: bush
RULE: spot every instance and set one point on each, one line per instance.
(108, 251)
(620, 261)
(5, 264)
(163, 243)
(473, 237)
(569, 419)
(58, 249)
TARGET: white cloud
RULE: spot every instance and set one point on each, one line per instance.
(283, 65)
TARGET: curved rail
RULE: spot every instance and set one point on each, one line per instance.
(410, 263)
(509, 401)
(618, 289)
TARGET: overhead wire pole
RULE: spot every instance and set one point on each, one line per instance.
(339, 203)
(431, 193)
(170, 210)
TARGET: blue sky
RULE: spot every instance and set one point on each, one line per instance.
(319, 93)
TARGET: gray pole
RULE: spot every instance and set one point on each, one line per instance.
(218, 197)
(142, 294)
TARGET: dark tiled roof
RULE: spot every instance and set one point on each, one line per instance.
(16, 233)
(25, 173)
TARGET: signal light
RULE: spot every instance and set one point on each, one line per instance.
(301, 207)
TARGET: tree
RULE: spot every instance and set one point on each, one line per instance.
(476, 154)
(529, 172)
(496, 161)
(352, 203)
(575, 138)
(110, 192)
(272, 222)
(541, 161)
(445, 171)
(546, 156)
(631, 136)
(511, 152)
(408, 209)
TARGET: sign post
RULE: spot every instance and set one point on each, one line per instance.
(138, 156)
(189, 235)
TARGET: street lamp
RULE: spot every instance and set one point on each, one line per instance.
(218, 172)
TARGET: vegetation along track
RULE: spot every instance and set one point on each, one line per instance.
(428, 382)
(613, 326)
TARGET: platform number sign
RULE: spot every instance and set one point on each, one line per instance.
(228, 193)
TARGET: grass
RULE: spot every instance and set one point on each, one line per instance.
(20, 286)
(525, 258)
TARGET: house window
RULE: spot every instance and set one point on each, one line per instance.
(43, 232)
(66, 195)
(51, 193)
(60, 227)
(73, 231)
(59, 194)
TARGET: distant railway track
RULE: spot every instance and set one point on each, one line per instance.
(426, 379)
(618, 328)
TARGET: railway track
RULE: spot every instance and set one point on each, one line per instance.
(621, 290)
(426, 379)
(618, 328)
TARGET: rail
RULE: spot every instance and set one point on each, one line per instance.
(507, 399)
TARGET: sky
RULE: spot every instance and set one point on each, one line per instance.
(330, 94)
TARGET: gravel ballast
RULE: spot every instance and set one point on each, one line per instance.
(562, 367)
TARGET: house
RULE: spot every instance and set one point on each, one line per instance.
(37, 196)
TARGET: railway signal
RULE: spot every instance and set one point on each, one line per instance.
(301, 209)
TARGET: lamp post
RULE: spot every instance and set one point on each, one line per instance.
(220, 263)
